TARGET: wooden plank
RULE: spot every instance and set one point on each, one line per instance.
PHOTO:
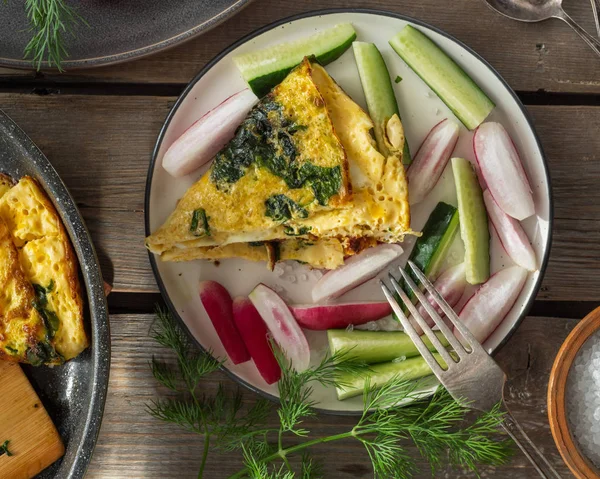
(545, 56)
(132, 444)
(101, 146)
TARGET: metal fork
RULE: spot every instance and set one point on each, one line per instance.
(472, 377)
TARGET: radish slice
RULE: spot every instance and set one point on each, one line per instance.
(511, 234)
(337, 316)
(255, 334)
(219, 307)
(492, 301)
(502, 170)
(431, 159)
(203, 140)
(283, 326)
(451, 285)
(358, 269)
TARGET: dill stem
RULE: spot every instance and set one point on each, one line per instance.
(283, 453)
(205, 452)
(281, 450)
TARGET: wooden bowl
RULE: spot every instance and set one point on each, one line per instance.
(581, 467)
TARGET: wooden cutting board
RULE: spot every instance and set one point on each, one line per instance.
(34, 441)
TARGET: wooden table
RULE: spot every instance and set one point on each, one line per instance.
(98, 128)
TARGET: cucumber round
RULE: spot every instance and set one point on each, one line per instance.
(379, 93)
(375, 346)
(448, 80)
(474, 228)
(263, 69)
(379, 374)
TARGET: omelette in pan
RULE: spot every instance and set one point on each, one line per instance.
(41, 308)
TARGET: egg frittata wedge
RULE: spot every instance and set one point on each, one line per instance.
(285, 162)
(378, 210)
(48, 264)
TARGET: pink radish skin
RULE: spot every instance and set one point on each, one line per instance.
(357, 270)
(451, 285)
(255, 334)
(284, 328)
(203, 140)
(431, 159)
(490, 304)
(511, 234)
(502, 170)
(337, 316)
(219, 307)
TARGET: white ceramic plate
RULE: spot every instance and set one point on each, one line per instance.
(421, 109)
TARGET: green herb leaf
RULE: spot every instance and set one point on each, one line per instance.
(280, 208)
(4, 449)
(199, 224)
(398, 79)
(50, 20)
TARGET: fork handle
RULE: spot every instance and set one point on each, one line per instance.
(535, 456)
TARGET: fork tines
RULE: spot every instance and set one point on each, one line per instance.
(460, 351)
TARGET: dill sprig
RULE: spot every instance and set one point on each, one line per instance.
(393, 416)
(50, 20)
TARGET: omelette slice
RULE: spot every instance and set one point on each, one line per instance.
(285, 162)
(48, 264)
(378, 210)
(24, 337)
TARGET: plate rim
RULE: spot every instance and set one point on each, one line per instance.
(137, 53)
(100, 345)
(316, 13)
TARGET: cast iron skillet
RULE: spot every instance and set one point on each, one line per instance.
(73, 393)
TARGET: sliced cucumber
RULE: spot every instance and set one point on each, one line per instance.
(438, 233)
(263, 69)
(474, 228)
(379, 374)
(431, 248)
(375, 346)
(379, 93)
(448, 80)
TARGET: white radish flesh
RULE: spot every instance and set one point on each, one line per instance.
(502, 170)
(338, 316)
(284, 328)
(203, 140)
(490, 304)
(357, 270)
(431, 159)
(511, 234)
(451, 285)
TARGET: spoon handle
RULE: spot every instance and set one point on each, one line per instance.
(587, 38)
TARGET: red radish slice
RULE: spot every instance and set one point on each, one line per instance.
(337, 316)
(511, 234)
(203, 140)
(219, 307)
(451, 285)
(502, 170)
(255, 334)
(431, 159)
(492, 301)
(357, 270)
(284, 328)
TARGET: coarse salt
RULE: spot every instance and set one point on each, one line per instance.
(583, 398)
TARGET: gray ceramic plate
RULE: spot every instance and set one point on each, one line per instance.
(74, 393)
(118, 30)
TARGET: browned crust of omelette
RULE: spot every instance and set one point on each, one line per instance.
(24, 295)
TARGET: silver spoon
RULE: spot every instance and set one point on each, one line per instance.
(538, 10)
